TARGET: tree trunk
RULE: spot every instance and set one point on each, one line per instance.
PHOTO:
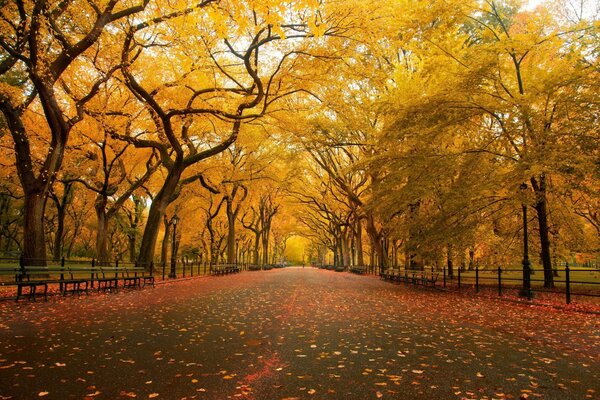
(450, 263)
(102, 253)
(34, 242)
(265, 244)
(346, 248)
(541, 207)
(155, 216)
(255, 250)
(133, 229)
(230, 232)
(376, 245)
(164, 250)
(132, 244)
(58, 235)
(471, 258)
(360, 257)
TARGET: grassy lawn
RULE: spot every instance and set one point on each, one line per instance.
(581, 279)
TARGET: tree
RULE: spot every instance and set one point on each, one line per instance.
(235, 76)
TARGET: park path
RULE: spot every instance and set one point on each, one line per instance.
(297, 333)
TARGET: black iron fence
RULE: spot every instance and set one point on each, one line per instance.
(55, 272)
(568, 282)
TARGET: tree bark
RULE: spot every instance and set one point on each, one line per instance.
(541, 208)
(265, 243)
(256, 246)
(34, 239)
(375, 239)
(61, 208)
(230, 231)
(155, 216)
(449, 261)
(102, 252)
(164, 250)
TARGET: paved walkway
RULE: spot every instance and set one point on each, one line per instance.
(294, 334)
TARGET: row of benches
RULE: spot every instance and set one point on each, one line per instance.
(33, 281)
(425, 278)
(358, 269)
(222, 269)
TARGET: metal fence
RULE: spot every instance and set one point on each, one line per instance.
(12, 269)
(568, 282)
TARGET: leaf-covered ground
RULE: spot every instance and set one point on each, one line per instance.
(295, 334)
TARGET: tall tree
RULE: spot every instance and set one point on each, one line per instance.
(198, 107)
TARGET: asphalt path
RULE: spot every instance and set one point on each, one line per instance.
(296, 333)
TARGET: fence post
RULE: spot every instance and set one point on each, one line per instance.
(458, 278)
(21, 274)
(444, 269)
(92, 273)
(568, 283)
(499, 281)
(62, 274)
(477, 279)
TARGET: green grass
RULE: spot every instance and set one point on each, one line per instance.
(580, 278)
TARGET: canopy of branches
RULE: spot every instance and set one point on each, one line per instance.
(380, 132)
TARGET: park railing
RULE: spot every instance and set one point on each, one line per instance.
(567, 282)
(16, 272)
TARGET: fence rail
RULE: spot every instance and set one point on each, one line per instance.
(569, 282)
(12, 269)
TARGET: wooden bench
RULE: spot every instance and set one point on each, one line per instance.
(33, 286)
(425, 278)
(131, 277)
(72, 284)
(107, 281)
(33, 281)
(222, 269)
(358, 269)
(32, 278)
(131, 282)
